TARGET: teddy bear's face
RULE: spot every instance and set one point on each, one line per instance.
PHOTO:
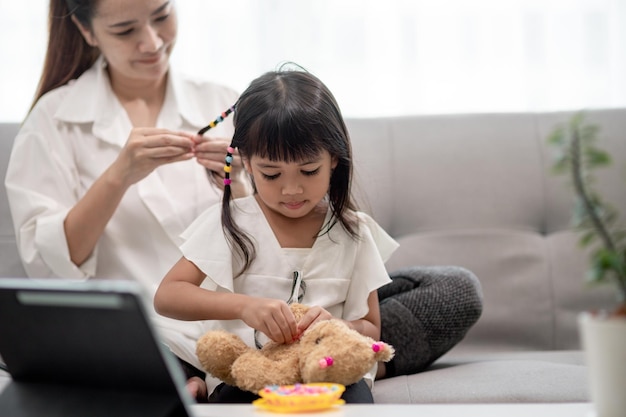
(331, 351)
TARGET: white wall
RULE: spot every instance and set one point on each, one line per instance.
(383, 57)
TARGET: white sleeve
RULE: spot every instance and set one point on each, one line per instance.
(385, 244)
(205, 246)
(42, 186)
(375, 246)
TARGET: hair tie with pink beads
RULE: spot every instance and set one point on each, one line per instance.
(227, 167)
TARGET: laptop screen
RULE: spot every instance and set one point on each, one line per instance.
(93, 334)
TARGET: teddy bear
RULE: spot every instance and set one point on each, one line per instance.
(328, 351)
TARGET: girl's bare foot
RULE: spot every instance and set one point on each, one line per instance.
(198, 389)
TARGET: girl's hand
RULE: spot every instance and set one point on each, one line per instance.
(148, 148)
(272, 317)
(313, 315)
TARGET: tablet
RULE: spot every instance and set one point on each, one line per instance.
(85, 348)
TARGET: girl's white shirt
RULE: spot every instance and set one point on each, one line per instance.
(339, 271)
(69, 139)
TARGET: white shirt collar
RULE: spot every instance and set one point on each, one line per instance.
(91, 100)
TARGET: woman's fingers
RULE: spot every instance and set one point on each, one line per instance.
(147, 148)
(165, 144)
(211, 154)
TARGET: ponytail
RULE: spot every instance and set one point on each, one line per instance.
(238, 240)
(68, 55)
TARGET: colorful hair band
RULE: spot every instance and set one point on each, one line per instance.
(227, 167)
(229, 155)
(219, 119)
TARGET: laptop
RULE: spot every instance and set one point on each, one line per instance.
(85, 349)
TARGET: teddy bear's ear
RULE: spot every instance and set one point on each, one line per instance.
(383, 352)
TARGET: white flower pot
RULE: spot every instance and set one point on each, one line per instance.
(604, 342)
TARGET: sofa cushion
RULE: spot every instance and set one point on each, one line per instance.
(531, 377)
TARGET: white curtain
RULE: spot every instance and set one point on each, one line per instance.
(381, 57)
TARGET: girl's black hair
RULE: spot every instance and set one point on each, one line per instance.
(290, 115)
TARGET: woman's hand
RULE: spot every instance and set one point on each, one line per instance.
(272, 317)
(211, 153)
(145, 149)
(148, 148)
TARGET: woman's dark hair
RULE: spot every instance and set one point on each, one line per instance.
(290, 115)
(68, 54)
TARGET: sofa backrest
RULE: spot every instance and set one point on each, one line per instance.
(477, 191)
(10, 264)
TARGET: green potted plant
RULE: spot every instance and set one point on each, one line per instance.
(603, 334)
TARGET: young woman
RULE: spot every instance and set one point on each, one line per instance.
(298, 237)
(107, 170)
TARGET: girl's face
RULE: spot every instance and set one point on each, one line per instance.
(292, 189)
(136, 37)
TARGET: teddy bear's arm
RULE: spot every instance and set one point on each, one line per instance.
(252, 371)
(217, 350)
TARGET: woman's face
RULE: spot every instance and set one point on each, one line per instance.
(136, 37)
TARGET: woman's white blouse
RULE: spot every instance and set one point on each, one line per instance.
(69, 139)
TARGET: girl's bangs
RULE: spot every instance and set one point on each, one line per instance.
(285, 137)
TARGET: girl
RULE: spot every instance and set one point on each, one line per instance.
(298, 237)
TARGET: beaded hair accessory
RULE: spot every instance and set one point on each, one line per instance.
(230, 150)
(227, 167)
(219, 119)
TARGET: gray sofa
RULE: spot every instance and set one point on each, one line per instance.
(474, 191)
